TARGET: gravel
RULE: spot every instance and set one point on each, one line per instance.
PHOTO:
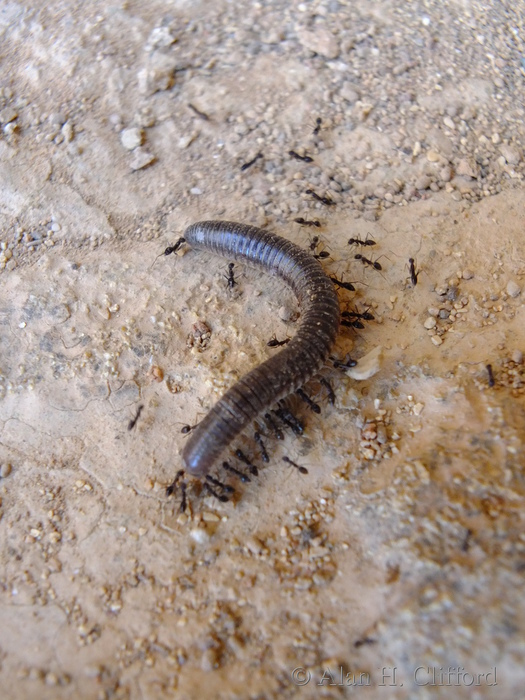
(513, 289)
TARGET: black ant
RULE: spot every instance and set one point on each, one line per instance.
(355, 323)
(364, 640)
(344, 365)
(174, 248)
(243, 458)
(312, 405)
(219, 496)
(273, 427)
(290, 420)
(225, 487)
(229, 277)
(328, 201)
(492, 381)
(314, 243)
(305, 222)
(200, 114)
(258, 439)
(251, 162)
(359, 241)
(133, 421)
(303, 470)
(328, 387)
(187, 429)
(243, 477)
(274, 343)
(365, 315)
(171, 489)
(323, 254)
(413, 274)
(366, 261)
(344, 285)
(305, 159)
(318, 123)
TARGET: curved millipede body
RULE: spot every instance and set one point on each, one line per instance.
(290, 368)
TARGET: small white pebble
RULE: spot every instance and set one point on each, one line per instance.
(5, 470)
(141, 159)
(51, 679)
(210, 517)
(517, 357)
(467, 274)
(287, 313)
(430, 323)
(367, 366)
(200, 535)
(436, 339)
(368, 453)
(131, 138)
(513, 290)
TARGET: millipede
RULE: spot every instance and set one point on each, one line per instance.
(291, 367)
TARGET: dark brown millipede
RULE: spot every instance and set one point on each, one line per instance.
(290, 368)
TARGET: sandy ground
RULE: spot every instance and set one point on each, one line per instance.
(395, 565)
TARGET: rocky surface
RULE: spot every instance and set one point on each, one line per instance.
(402, 546)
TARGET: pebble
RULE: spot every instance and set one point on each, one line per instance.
(210, 660)
(320, 41)
(382, 438)
(200, 535)
(513, 290)
(287, 313)
(446, 173)
(436, 339)
(368, 365)
(511, 155)
(349, 92)
(423, 182)
(430, 323)
(158, 74)
(433, 156)
(68, 132)
(8, 114)
(131, 138)
(160, 38)
(51, 678)
(210, 517)
(517, 357)
(465, 168)
(5, 470)
(467, 274)
(254, 545)
(141, 159)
